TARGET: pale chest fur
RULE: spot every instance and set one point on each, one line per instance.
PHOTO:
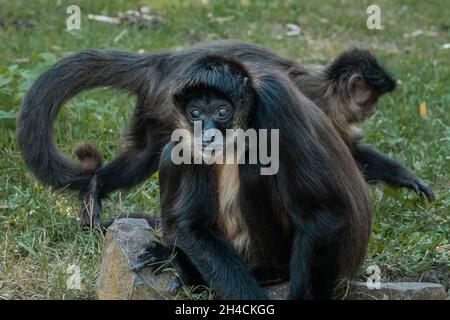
(230, 220)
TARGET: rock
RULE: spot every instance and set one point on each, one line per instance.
(398, 291)
(388, 291)
(126, 237)
(438, 273)
(123, 241)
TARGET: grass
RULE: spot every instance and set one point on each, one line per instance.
(40, 237)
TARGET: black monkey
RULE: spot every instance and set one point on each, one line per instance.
(234, 227)
(343, 90)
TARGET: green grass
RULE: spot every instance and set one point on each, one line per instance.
(39, 232)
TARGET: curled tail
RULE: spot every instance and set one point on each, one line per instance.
(64, 80)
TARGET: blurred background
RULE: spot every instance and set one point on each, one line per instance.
(40, 237)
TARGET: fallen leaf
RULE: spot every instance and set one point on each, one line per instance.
(423, 109)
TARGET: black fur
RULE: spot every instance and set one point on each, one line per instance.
(378, 167)
(361, 61)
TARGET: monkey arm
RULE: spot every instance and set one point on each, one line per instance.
(188, 204)
(378, 167)
(218, 264)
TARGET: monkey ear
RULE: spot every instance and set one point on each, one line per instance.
(359, 91)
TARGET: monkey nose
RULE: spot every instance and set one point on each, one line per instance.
(208, 138)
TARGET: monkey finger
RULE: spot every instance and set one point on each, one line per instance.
(142, 263)
(156, 249)
(146, 251)
(416, 189)
(426, 189)
(154, 255)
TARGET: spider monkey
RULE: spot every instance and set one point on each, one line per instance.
(234, 228)
(348, 90)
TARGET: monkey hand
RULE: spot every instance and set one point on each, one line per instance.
(91, 207)
(422, 189)
(155, 255)
(158, 257)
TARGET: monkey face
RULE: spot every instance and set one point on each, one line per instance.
(363, 98)
(212, 95)
(367, 111)
(210, 115)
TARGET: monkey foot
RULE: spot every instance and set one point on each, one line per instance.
(90, 216)
(91, 207)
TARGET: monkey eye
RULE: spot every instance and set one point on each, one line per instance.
(223, 112)
(195, 114)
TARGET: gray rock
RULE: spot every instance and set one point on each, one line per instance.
(123, 241)
(387, 291)
(398, 291)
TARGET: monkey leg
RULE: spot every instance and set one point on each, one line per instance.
(301, 268)
(91, 206)
(378, 167)
(315, 266)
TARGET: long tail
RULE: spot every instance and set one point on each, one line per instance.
(67, 78)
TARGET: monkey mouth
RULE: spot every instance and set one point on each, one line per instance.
(210, 150)
(212, 147)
